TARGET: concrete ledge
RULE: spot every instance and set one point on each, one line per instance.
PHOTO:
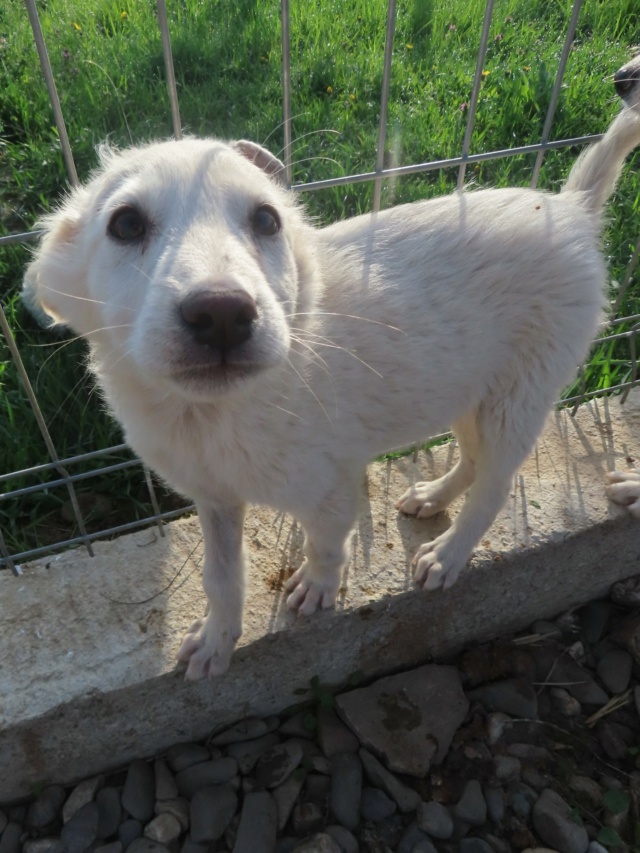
(87, 674)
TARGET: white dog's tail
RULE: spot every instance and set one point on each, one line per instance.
(596, 171)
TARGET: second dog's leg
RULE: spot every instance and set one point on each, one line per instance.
(209, 643)
(327, 547)
(430, 497)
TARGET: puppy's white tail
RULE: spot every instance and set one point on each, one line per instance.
(596, 171)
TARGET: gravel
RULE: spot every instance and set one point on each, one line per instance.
(530, 743)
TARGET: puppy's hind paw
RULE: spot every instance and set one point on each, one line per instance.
(308, 593)
(623, 487)
(207, 649)
(423, 500)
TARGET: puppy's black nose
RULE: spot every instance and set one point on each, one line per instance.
(220, 320)
(627, 78)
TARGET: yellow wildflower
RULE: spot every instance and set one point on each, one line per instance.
(485, 73)
(77, 27)
(329, 89)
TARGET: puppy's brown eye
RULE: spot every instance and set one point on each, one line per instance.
(127, 225)
(266, 221)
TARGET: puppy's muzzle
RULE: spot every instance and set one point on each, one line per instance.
(627, 79)
(220, 320)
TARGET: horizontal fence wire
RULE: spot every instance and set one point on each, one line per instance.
(60, 466)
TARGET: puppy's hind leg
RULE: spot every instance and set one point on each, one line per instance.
(507, 428)
(430, 497)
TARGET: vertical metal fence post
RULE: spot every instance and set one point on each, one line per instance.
(573, 22)
(384, 102)
(169, 67)
(475, 91)
(285, 13)
(45, 64)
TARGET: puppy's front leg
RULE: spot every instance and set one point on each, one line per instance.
(209, 643)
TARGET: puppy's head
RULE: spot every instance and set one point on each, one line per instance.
(180, 262)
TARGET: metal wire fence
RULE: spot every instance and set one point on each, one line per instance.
(63, 467)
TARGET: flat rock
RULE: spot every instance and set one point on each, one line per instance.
(307, 817)
(109, 811)
(285, 796)
(346, 841)
(212, 810)
(614, 670)
(166, 788)
(375, 805)
(247, 752)
(322, 842)
(552, 822)
(406, 798)
(164, 828)
(178, 808)
(434, 819)
(128, 831)
(138, 794)
(471, 808)
(183, 755)
(401, 717)
(258, 824)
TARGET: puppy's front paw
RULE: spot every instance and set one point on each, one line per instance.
(623, 487)
(207, 648)
(309, 591)
(423, 500)
(439, 563)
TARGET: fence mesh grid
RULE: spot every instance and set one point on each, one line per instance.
(62, 467)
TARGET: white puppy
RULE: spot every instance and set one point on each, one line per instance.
(253, 358)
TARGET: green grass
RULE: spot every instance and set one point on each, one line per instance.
(107, 59)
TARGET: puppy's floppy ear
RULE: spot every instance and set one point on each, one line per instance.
(49, 278)
(263, 159)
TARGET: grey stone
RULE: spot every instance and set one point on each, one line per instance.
(163, 828)
(496, 802)
(258, 824)
(375, 805)
(166, 788)
(626, 593)
(248, 729)
(218, 771)
(178, 808)
(112, 847)
(128, 831)
(614, 670)
(320, 764)
(578, 680)
(81, 829)
(615, 739)
(400, 717)
(411, 837)
(189, 846)
(522, 800)
(322, 842)
(515, 696)
(593, 619)
(306, 818)
(278, 763)
(424, 846)
(552, 822)
(286, 844)
(138, 794)
(530, 752)
(333, 735)
(434, 819)
(475, 845)
(10, 840)
(43, 845)
(247, 752)
(346, 840)
(212, 810)
(146, 845)
(406, 798)
(471, 808)
(497, 724)
(594, 847)
(346, 789)
(506, 768)
(45, 808)
(184, 755)
(567, 704)
(81, 794)
(588, 787)
(109, 811)
(285, 796)
(4, 820)
(545, 629)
